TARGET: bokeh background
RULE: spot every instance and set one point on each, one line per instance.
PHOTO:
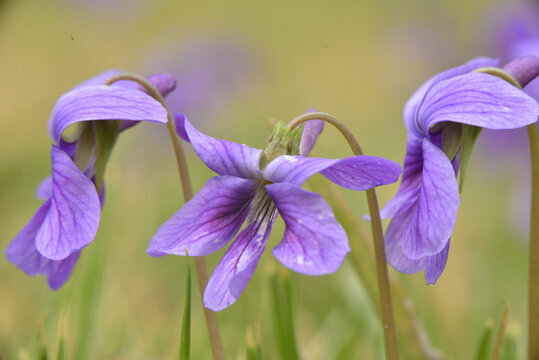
(240, 66)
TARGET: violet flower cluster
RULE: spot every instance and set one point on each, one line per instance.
(252, 186)
(424, 209)
(68, 220)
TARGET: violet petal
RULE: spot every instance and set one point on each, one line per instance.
(412, 105)
(225, 157)
(101, 102)
(235, 269)
(22, 252)
(295, 169)
(435, 206)
(311, 131)
(433, 266)
(363, 172)
(74, 212)
(208, 221)
(164, 83)
(179, 121)
(314, 242)
(477, 99)
(395, 233)
(411, 176)
(44, 189)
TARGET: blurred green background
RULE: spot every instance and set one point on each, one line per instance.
(259, 61)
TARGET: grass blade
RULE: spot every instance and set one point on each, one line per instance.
(483, 351)
(185, 341)
(284, 320)
(254, 351)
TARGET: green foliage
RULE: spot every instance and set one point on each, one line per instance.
(284, 319)
(483, 350)
(254, 350)
(469, 135)
(185, 341)
(106, 135)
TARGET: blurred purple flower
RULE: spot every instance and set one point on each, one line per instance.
(314, 242)
(210, 72)
(51, 242)
(424, 210)
(516, 34)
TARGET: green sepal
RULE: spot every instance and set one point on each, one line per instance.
(483, 350)
(106, 133)
(451, 139)
(282, 141)
(85, 146)
(469, 136)
(185, 340)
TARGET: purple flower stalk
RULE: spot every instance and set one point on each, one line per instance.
(252, 187)
(424, 210)
(68, 220)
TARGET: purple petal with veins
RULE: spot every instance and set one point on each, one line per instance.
(101, 102)
(411, 176)
(314, 242)
(433, 266)
(225, 157)
(73, 217)
(362, 172)
(477, 99)
(295, 169)
(435, 204)
(235, 269)
(23, 253)
(418, 98)
(208, 221)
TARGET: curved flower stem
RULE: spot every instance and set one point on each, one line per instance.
(533, 140)
(200, 264)
(378, 236)
(533, 297)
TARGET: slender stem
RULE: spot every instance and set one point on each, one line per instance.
(533, 139)
(200, 265)
(378, 235)
(178, 151)
(501, 334)
(533, 297)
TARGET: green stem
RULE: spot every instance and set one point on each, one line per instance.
(533, 296)
(410, 330)
(200, 265)
(377, 233)
(533, 299)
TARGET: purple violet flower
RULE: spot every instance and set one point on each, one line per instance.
(68, 220)
(424, 210)
(252, 187)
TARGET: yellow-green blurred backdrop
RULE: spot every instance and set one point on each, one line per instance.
(358, 60)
